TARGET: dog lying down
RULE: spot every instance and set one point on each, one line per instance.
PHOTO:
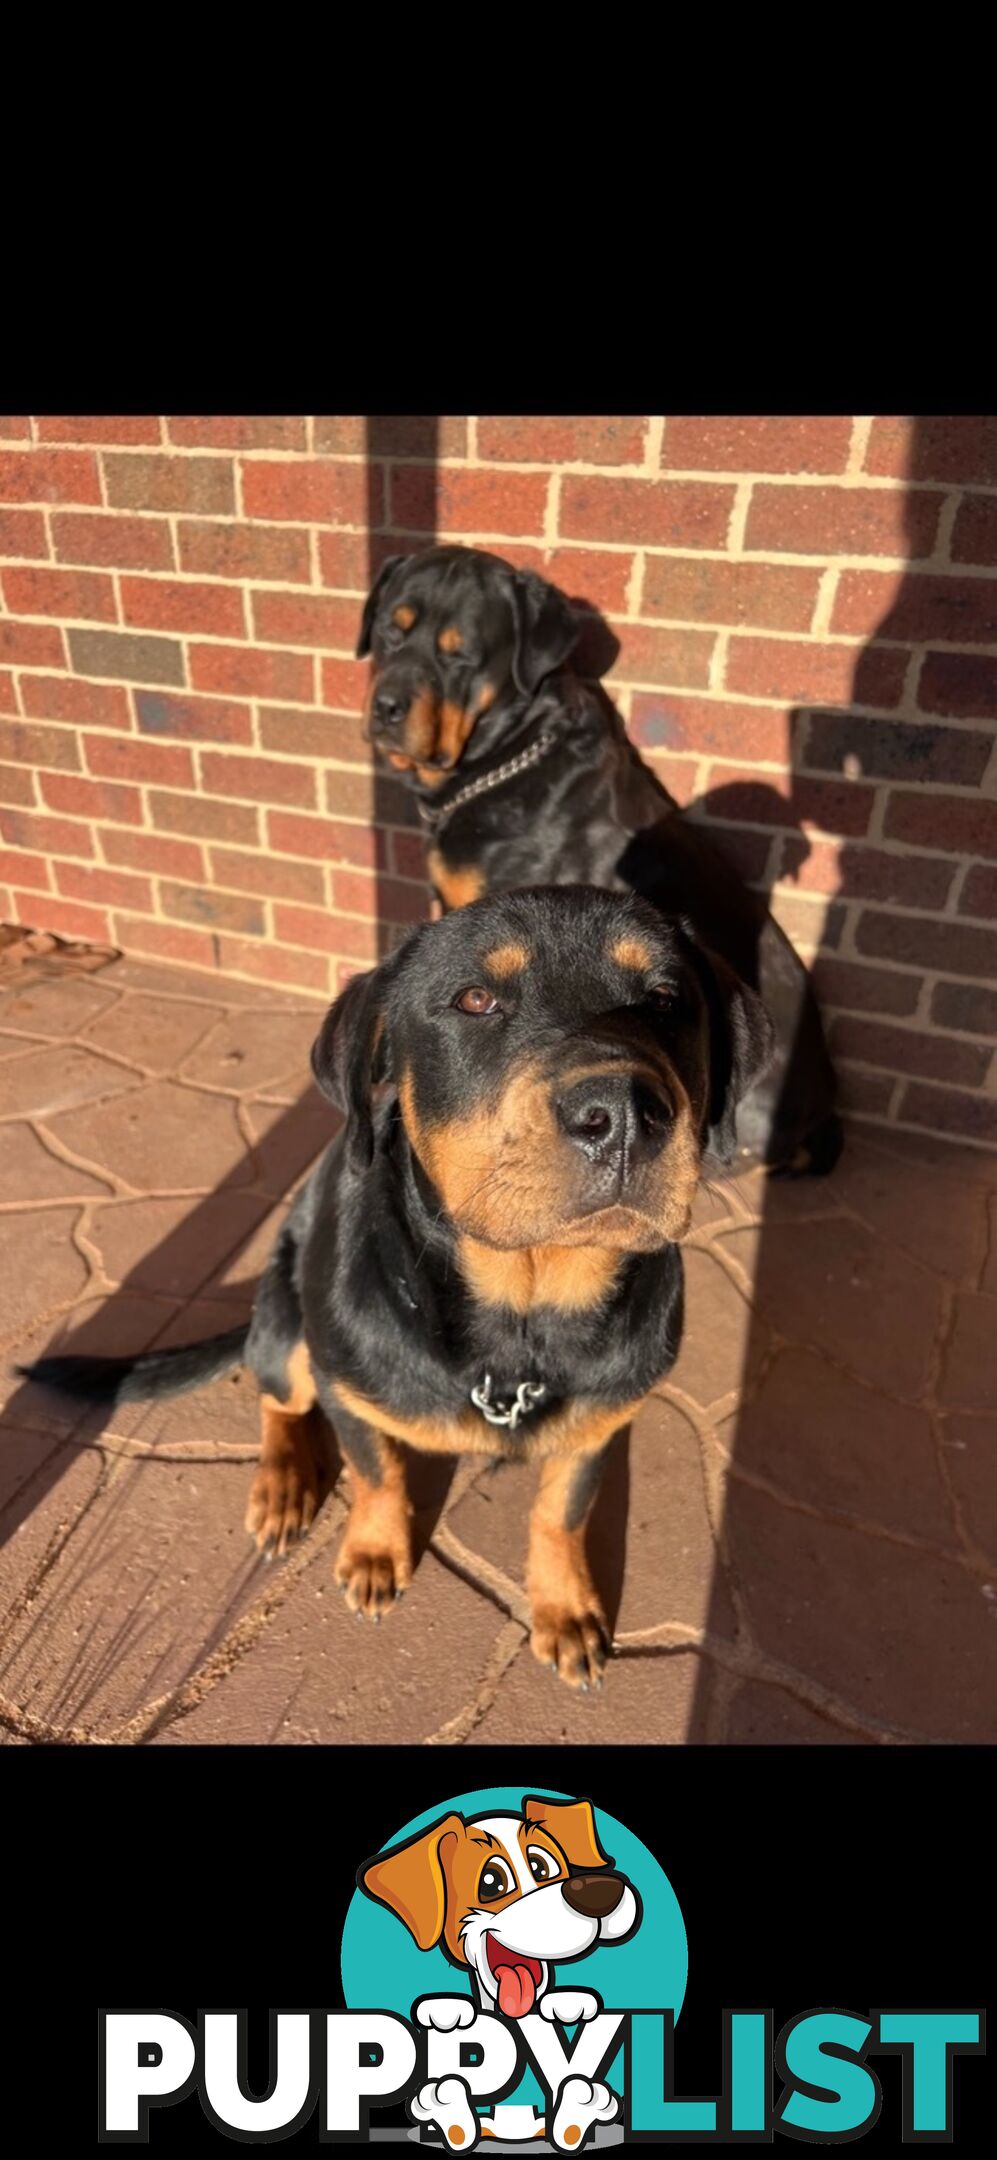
(486, 1259)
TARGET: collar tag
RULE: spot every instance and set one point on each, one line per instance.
(526, 1398)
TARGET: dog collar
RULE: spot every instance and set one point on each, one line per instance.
(434, 820)
(512, 1408)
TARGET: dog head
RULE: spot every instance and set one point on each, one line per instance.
(458, 639)
(508, 1896)
(562, 1058)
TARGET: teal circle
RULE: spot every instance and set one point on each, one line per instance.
(384, 1969)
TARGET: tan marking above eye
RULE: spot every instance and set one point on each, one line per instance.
(450, 640)
(506, 959)
(631, 952)
(404, 617)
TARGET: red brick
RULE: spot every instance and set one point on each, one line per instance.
(118, 543)
(791, 798)
(814, 673)
(271, 431)
(310, 491)
(842, 521)
(146, 851)
(866, 873)
(197, 485)
(970, 1117)
(24, 742)
(656, 513)
(68, 918)
(865, 1094)
(262, 874)
(162, 604)
(165, 941)
(132, 429)
(192, 719)
(974, 536)
(216, 910)
(60, 592)
(542, 439)
(165, 765)
(979, 893)
(31, 644)
(22, 534)
(259, 779)
(370, 795)
(88, 704)
(32, 870)
(45, 835)
(957, 824)
(273, 963)
(251, 672)
(92, 798)
(15, 428)
(408, 853)
(652, 655)
(915, 606)
(957, 447)
(344, 561)
(427, 500)
(8, 694)
(105, 888)
(409, 435)
(398, 902)
(326, 840)
(864, 989)
(302, 734)
(321, 932)
(305, 619)
(593, 579)
(768, 596)
(896, 750)
(356, 891)
(194, 815)
(678, 776)
(248, 551)
(787, 443)
(959, 686)
(711, 727)
(350, 745)
(49, 476)
(945, 948)
(966, 1006)
(344, 684)
(17, 786)
(126, 656)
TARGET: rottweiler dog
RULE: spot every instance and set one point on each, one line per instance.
(486, 1259)
(524, 775)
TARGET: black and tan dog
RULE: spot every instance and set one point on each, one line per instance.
(485, 1261)
(525, 776)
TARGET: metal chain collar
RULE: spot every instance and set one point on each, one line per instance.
(434, 820)
(526, 1398)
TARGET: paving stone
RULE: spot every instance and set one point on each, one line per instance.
(219, 1420)
(29, 1173)
(15, 1046)
(238, 1276)
(988, 1278)
(45, 1082)
(153, 1032)
(937, 1215)
(817, 1434)
(289, 1141)
(163, 1136)
(174, 1245)
(319, 1674)
(970, 1445)
(673, 1571)
(904, 1638)
(835, 1285)
(215, 988)
(58, 1007)
(722, 1340)
(49, 1496)
(249, 1053)
(969, 1379)
(762, 1716)
(101, 1327)
(650, 1697)
(40, 1267)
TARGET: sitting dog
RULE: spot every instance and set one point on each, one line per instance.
(507, 1897)
(485, 1261)
(524, 775)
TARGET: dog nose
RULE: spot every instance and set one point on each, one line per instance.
(593, 1895)
(615, 1116)
(388, 708)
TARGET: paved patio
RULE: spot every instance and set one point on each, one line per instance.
(798, 1543)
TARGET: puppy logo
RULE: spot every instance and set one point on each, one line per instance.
(510, 1898)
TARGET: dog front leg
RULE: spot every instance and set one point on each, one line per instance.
(569, 1628)
(374, 1566)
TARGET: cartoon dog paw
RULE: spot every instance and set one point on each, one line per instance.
(580, 2105)
(447, 2105)
(444, 2013)
(569, 2006)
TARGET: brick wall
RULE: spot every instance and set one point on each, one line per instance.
(807, 617)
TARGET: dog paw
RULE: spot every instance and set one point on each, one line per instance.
(443, 2013)
(574, 1645)
(446, 2104)
(580, 2104)
(372, 1579)
(569, 2006)
(284, 1499)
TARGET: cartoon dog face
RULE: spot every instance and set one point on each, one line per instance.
(507, 1896)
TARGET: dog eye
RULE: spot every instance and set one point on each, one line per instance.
(495, 1882)
(542, 1866)
(659, 995)
(478, 1001)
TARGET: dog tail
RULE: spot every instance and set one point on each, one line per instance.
(140, 1379)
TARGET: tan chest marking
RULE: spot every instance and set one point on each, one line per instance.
(572, 1278)
(457, 888)
(579, 1426)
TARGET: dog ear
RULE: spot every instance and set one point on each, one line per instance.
(571, 1824)
(547, 629)
(411, 1882)
(350, 1056)
(742, 1039)
(372, 601)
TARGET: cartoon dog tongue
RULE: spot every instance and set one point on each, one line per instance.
(517, 1990)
